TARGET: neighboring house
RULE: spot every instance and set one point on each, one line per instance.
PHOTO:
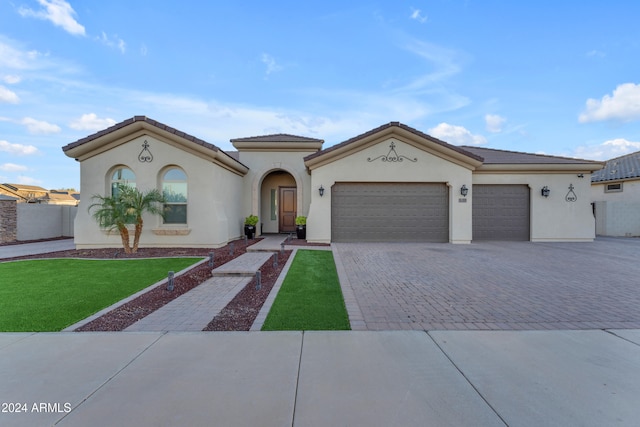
(393, 183)
(615, 192)
(24, 193)
(35, 194)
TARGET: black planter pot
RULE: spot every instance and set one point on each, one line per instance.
(249, 231)
(301, 231)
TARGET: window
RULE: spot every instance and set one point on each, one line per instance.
(122, 176)
(174, 189)
(613, 188)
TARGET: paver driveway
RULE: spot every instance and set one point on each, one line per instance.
(492, 285)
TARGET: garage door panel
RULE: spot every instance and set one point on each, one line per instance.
(384, 212)
(501, 212)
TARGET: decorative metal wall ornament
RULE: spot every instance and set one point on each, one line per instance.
(145, 155)
(392, 156)
(571, 195)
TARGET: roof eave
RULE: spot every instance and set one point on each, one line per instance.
(540, 167)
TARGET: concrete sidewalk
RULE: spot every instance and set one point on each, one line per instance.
(10, 251)
(368, 378)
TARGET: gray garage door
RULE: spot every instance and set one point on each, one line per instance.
(500, 212)
(389, 212)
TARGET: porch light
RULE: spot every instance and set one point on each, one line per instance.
(321, 190)
(464, 190)
(545, 191)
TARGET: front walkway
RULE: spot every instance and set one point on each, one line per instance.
(23, 249)
(491, 285)
(194, 310)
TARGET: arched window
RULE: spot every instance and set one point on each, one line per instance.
(122, 176)
(174, 189)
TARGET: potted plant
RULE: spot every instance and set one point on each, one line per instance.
(301, 227)
(250, 226)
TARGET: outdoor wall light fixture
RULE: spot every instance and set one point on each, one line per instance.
(545, 191)
(321, 190)
(464, 190)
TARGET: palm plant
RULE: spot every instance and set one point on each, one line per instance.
(126, 206)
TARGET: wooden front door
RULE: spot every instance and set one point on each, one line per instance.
(288, 209)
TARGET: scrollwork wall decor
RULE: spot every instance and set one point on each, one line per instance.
(392, 156)
(145, 155)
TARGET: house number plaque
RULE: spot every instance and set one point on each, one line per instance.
(571, 195)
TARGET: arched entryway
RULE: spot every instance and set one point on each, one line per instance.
(278, 202)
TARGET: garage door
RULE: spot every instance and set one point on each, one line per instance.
(389, 212)
(500, 212)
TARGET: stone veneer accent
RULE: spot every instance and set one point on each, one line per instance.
(8, 220)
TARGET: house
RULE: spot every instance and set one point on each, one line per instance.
(24, 193)
(393, 183)
(35, 194)
(615, 192)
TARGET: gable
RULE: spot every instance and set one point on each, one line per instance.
(141, 126)
(394, 134)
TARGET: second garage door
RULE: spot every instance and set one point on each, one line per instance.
(500, 212)
(389, 212)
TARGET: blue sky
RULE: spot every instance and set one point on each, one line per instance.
(553, 77)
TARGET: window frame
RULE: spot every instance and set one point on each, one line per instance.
(168, 204)
(608, 187)
(114, 182)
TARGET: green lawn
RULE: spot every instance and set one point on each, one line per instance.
(51, 294)
(310, 297)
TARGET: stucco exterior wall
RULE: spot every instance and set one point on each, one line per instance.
(630, 192)
(213, 214)
(256, 196)
(43, 221)
(617, 213)
(357, 168)
(618, 218)
(553, 218)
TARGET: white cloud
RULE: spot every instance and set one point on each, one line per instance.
(116, 42)
(270, 62)
(456, 135)
(18, 149)
(39, 127)
(444, 62)
(417, 15)
(12, 167)
(59, 12)
(622, 105)
(14, 58)
(10, 79)
(26, 180)
(607, 150)
(494, 122)
(8, 96)
(91, 122)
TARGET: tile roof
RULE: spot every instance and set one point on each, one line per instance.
(623, 167)
(23, 187)
(389, 125)
(140, 119)
(492, 156)
(278, 137)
